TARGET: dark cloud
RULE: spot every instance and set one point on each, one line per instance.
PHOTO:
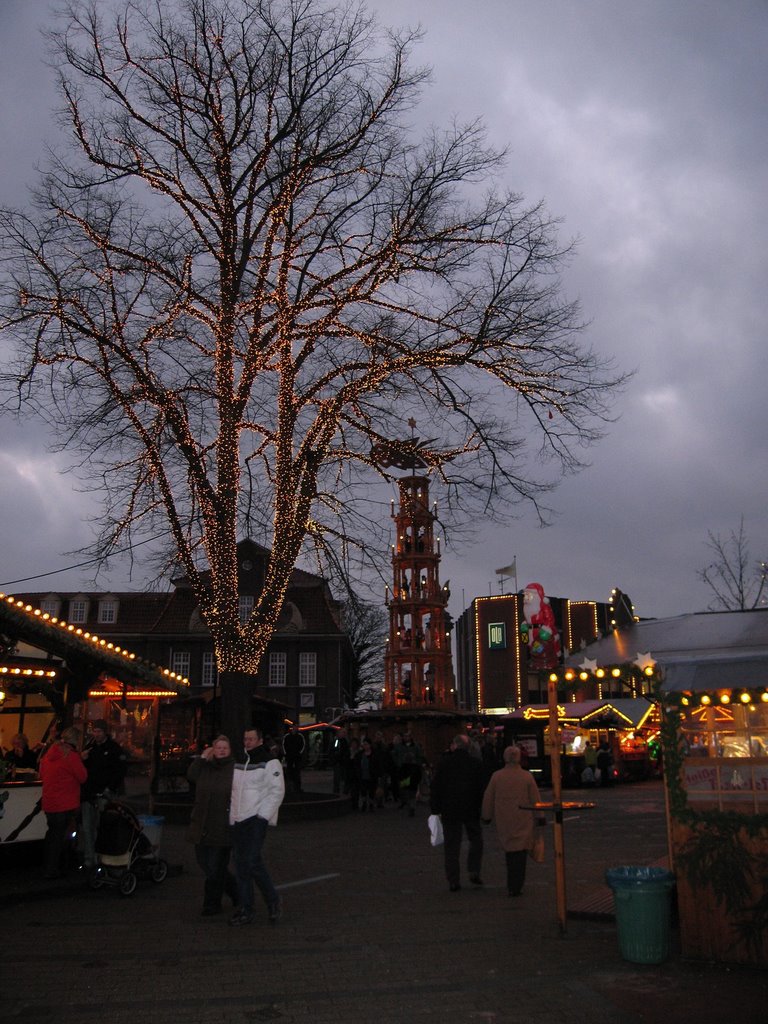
(644, 126)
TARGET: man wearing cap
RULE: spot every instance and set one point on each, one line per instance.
(105, 763)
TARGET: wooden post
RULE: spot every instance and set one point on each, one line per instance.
(557, 805)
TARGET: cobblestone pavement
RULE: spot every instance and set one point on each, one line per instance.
(369, 933)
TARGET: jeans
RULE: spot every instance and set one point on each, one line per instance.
(214, 863)
(249, 864)
(452, 834)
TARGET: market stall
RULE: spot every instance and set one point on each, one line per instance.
(716, 757)
(55, 674)
(709, 671)
(629, 726)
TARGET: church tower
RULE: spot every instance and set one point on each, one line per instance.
(417, 666)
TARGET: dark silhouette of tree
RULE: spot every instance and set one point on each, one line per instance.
(246, 273)
(367, 626)
(737, 582)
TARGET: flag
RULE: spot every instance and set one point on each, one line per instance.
(508, 570)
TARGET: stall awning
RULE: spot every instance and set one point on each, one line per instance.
(627, 712)
(77, 646)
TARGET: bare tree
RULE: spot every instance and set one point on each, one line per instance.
(245, 277)
(737, 582)
(367, 626)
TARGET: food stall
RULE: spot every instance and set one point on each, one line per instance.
(54, 674)
(709, 672)
(630, 726)
(716, 756)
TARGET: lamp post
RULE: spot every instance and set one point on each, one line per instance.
(557, 804)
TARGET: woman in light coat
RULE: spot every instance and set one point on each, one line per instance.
(510, 793)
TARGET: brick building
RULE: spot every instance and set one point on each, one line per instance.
(308, 666)
(492, 662)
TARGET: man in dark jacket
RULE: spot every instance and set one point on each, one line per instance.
(105, 763)
(293, 749)
(456, 795)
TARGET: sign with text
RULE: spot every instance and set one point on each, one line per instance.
(497, 636)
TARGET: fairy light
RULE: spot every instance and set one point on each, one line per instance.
(82, 635)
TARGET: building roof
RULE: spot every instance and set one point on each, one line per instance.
(21, 621)
(630, 711)
(698, 651)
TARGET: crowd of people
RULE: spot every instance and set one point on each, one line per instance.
(373, 771)
(77, 780)
(474, 782)
(237, 797)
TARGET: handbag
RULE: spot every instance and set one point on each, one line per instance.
(537, 850)
(435, 826)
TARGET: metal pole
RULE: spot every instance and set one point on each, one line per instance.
(557, 805)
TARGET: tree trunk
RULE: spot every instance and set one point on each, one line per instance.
(236, 708)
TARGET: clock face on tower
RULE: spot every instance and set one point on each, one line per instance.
(246, 565)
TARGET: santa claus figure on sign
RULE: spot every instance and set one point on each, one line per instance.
(538, 629)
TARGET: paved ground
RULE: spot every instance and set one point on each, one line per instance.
(370, 933)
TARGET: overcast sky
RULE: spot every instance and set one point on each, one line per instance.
(643, 124)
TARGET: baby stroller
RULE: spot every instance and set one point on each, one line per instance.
(126, 849)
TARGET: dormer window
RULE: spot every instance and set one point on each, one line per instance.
(51, 605)
(78, 609)
(108, 606)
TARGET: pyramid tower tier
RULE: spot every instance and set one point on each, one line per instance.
(418, 664)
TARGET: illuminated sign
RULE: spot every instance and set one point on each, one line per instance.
(497, 636)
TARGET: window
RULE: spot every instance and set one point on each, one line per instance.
(208, 677)
(244, 607)
(78, 610)
(278, 662)
(308, 668)
(180, 661)
(108, 610)
(50, 606)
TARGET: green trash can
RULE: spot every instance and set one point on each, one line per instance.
(642, 897)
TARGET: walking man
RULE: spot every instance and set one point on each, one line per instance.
(456, 795)
(293, 749)
(106, 765)
(258, 788)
